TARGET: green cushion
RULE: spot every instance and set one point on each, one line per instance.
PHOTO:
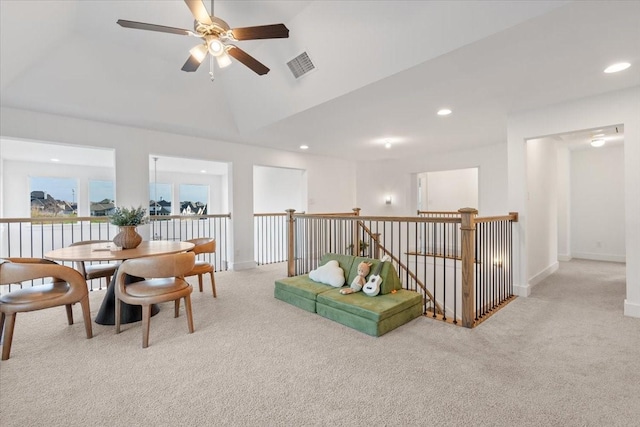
(390, 279)
(372, 315)
(301, 291)
(295, 299)
(366, 325)
(373, 308)
(303, 286)
(345, 262)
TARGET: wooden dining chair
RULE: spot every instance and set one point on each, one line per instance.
(66, 288)
(164, 281)
(202, 246)
(95, 271)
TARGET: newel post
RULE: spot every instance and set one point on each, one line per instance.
(468, 228)
(291, 230)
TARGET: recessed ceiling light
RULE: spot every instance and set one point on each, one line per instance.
(617, 67)
(387, 144)
(304, 147)
(444, 112)
(597, 142)
(203, 171)
(55, 160)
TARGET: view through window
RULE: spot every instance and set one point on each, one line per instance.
(101, 198)
(53, 197)
(194, 199)
(160, 203)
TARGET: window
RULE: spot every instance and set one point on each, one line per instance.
(160, 203)
(101, 198)
(53, 197)
(194, 199)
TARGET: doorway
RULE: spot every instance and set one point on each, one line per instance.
(575, 202)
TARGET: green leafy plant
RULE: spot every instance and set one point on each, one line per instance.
(363, 247)
(123, 216)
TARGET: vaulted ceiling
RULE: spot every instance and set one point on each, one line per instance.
(383, 68)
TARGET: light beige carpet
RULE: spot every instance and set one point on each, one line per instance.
(565, 356)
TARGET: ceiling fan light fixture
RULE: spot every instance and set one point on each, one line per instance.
(597, 142)
(216, 48)
(215, 33)
(224, 60)
(199, 52)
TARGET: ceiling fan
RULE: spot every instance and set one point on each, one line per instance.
(216, 35)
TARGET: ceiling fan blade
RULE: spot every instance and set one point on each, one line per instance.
(199, 11)
(192, 64)
(274, 31)
(247, 60)
(152, 27)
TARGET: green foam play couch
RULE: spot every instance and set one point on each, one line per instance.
(375, 316)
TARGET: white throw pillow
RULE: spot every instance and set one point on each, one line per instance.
(329, 274)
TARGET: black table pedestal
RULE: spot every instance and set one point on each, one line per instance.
(129, 313)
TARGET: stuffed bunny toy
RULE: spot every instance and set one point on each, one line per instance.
(358, 281)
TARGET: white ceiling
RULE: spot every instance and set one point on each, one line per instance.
(383, 68)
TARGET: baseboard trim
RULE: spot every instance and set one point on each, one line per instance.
(564, 258)
(600, 257)
(247, 265)
(544, 274)
(631, 309)
(522, 290)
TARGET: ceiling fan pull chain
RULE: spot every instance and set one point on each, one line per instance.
(211, 67)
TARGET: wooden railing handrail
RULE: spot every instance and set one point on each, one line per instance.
(227, 215)
(56, 219)
(381, 218)
(270, 214)
(66, 219)
(438, 212)
(513, 216)
(333, 215)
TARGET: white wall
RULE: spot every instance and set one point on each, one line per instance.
(597, 200)
(620, 107)
(398, 177)
(134, 145)
(451, 190)
(563, 190)
(278, 189)
(542, 208)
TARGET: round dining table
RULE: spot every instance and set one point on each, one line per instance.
(106, 251)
